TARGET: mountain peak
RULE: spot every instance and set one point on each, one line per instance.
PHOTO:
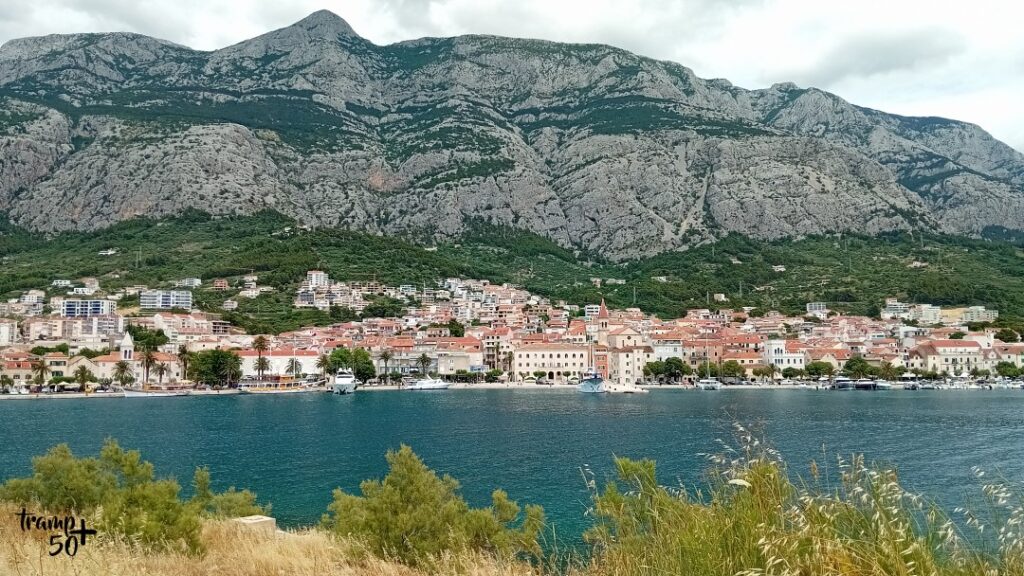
(325, 23)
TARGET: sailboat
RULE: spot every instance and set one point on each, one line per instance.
(592, 382)
(707, 382)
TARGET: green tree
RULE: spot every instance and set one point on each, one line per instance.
(1007, 335)
(148, 360)
(323, 363)
(123, 372)
(957, 336)
(40, 370)
(362, 365)
(342, 313)
(791, 372)
(83, 376)
(123, 491)
(217, 367)
(384, 307)
(818, 369)
(887, 371)
(732, 369)
(162, 369)
(294, 367)
(424, 363)
(146, 339)
(261, 366)
(260, 345)
(1007, 370)
(857, 367)
(413, 515)
(675, 368)
(456, 328)
(184, 357)
(385, 358)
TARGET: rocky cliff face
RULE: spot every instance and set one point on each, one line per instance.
(589, 145)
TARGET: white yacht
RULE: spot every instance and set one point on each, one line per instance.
(709, 384)
(428, 384)
(592, 383)
(344, 382)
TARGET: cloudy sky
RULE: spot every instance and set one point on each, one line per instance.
(963, 60)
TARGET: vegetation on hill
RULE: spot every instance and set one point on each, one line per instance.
(851, 273)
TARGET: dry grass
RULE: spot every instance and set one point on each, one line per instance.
(230, 550)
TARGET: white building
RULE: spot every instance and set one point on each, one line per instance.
(776, 352)
(165, 299)
(317, 278)
(188, 283)
(74, 308)
(8, 332)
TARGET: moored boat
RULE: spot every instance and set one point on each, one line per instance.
(344, 382)
(131, 393)
(592, 383)
(275, 386)
(625, 389)
(842, 383)
(709, 384)
(428, 384)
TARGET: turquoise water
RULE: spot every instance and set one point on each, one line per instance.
(293, 450)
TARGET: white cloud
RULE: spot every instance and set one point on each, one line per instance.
(916, 57)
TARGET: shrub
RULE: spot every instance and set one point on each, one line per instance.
(122, 492)
(414, 516)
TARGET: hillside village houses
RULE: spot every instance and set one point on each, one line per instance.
(502, 329)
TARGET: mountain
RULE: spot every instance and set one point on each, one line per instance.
(591, 146)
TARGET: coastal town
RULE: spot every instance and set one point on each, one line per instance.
(76, 336)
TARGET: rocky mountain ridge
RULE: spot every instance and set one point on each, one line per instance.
(589, 145)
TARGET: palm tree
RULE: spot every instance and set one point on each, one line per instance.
(324, 364)
(887, 371)
(424, 363)
(262, 365)
(386, 357)
(83, 375)
(40, 370)
(6, 383)
(260, 345)
(184, 357)
(231, 369)
(772, 371)
(162, 369)
(148, 360)
(294, 367)
(509, 358)
(123, 372)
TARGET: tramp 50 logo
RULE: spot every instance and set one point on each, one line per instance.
(67, 533)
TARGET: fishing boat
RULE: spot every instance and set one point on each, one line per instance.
(883, 385)
(709, 384)
(344, 382)
(592, 383)
(428, 384)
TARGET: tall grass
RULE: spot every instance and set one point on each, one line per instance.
(753, 520)
(229, 550)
